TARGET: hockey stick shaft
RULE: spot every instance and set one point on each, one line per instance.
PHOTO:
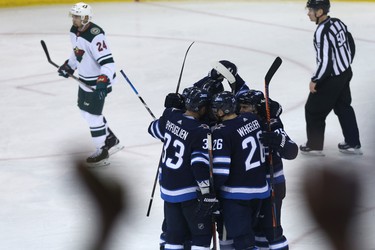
(210, 156)
(44, 45)
(274, 67)
(182, 68)
(153, 116)
(153, 188)
(136, 92)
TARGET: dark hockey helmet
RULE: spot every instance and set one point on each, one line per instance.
(319, 4)
(186, 91)
(213, 87)
(252, 97)
(224, 101)
(196, 99)
(257, 99)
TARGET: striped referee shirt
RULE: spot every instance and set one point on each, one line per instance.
(335, 48)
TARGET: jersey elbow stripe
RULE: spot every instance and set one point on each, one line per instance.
(224, 160)
(155, 132)
(199, 160)
(110, 60)
(221, 171)
(105, 59)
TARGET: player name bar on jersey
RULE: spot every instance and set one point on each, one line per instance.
(248, 128)
(178, 131)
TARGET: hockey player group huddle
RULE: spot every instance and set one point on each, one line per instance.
(215, 171)
(221, 169)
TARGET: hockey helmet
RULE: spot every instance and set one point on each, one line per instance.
(82, 9)
(197, 98)
(213, 87)
(319, 4)
(224, 101)
(186, 92)
(251, 97)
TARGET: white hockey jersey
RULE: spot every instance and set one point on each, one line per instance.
(91, 55)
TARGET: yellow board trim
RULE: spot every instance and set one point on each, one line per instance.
(17, 3)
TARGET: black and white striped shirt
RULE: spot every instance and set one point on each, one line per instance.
(334, 47)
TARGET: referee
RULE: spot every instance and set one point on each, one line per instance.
(329, 85)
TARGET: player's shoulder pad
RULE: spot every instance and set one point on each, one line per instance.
(92, 31)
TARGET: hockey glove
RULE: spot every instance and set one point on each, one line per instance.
(207, 205)
(101, 86)
(65, 70)
(173, 100)
(273, 140)
(214, 75)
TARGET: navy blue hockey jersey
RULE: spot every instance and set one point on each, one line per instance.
(239, 159)
(185, 159)
(289, 151)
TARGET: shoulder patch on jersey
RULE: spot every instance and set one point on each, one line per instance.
(205, 126)
(95, 30)
(218, 126)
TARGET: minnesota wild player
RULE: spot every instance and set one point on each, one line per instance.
(92, 58)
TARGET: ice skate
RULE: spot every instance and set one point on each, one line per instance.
(112, 144)
(98, 159)
(305, 150)
(349, 150)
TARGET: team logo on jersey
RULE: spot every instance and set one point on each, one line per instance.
(205, 126)
(78, 53)
(95, 31)
(218, 126)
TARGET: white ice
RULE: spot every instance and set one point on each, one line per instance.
(43, 205)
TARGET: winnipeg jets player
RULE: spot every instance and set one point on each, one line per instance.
(184, 173)
(93, 59)
(239, 169)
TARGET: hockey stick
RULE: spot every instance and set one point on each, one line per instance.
(136, 92)
(182, 68)
(57, 66)
(153, 116)
(274, 67)
(210, 155)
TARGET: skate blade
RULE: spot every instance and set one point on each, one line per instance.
(115, 149)
(99, 164)
(313, 153)
(351, 152)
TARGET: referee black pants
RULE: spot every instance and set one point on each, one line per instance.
(332, 94)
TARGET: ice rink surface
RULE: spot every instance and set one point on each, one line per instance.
(43, 204)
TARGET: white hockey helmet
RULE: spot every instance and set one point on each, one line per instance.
(82, 9)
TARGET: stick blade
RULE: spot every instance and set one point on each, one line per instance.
(274, 67)
(45, 48)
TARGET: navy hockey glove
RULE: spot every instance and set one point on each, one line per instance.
(173, 100)
(65, 70)
(273, 140)
(101, 86)
(208, 204)
(214, 75)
